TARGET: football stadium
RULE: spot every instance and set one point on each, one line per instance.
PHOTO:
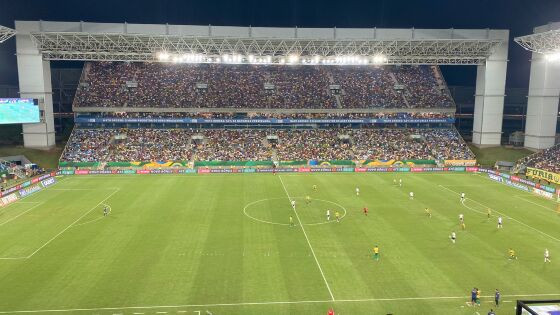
(191, 168)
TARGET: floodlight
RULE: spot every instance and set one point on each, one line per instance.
(163, 56)
(293, 58)
(379, 59)
(555, 56)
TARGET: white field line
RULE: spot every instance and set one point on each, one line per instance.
(97, 219)
(536, 204)
(266, 303)
(24, 212)
(307, 238)
(502, 214)
(71, 224)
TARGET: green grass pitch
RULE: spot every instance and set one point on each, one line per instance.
(222, 244)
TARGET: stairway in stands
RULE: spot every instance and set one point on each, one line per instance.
(395, 81)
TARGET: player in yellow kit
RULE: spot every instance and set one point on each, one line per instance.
(337, 216)
(376, 252)
(512, 254)
(428, 212)
(307, 199)
(489, 212)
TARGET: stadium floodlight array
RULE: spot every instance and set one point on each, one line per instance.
(6, 33)
(378, 59)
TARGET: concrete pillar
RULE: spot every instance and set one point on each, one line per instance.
(542, 103)
(489, 98)
(35, 82)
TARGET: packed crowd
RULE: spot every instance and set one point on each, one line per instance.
(224, 145)
(256, 115)
(233, 145)
(548, 159)
(114, 84)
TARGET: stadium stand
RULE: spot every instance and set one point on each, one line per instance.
(548, 159)
(253, 145)
(165, 91)
(140, 85)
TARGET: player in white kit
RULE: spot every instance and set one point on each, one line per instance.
(546, 255)
(462, 197)
(461, 218)
(328, 215)
(500, 226)
(294, 204)
(411, 195)
(357, 191)
(453, 237)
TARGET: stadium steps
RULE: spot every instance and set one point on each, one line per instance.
(442, 84)
(395, 81)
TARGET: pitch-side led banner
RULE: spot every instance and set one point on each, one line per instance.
(542, 174)
(460, 162)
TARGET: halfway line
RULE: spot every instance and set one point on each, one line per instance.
(307, 239)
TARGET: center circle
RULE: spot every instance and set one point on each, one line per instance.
(263, 210)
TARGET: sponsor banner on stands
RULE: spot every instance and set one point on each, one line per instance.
(456, 169)
(542, 174)
(377, 169)
(4, 201)
(249, 170)
(416, 169)
(126, 172)
(164, 171)
(459, 162)
(543, 193)
(434, 169)
(28, 191)
(11, 190)
(102, 172)
(187, 171)
(225, 170)
(65, 172)
(142, 171)
(203, 171)
(347, 169)
(527, 182)
(304, 169)
(263, 120)
(48, 181)
(360, 169)
(26, 184)
(496, 178)
(35, 180)
(517, 185)
(81, 172)
(278, 170)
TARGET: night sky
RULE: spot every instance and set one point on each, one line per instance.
(519, 16)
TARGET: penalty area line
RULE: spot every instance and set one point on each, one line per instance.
(265, 303)
(502, 214)
(71, 224)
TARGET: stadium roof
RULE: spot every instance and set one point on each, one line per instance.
(6, 33)
(193, 43)
(546, 39)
